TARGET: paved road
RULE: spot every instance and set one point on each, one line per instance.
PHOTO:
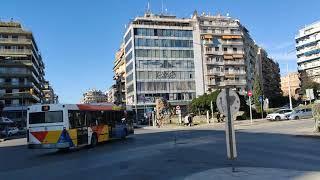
(168, 154)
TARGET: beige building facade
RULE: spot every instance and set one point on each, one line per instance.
(293, 79)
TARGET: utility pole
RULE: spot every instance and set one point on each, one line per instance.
(289, 87)
(211, 106)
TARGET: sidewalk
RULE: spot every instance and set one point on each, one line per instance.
(253, 173)
(12, 137)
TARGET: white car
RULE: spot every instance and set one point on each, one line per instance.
(5, 120)
(11, 131)
(280, 114)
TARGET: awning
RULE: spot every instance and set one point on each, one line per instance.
(227, 57)
(208, 36)
(237, 56)
(231, 37)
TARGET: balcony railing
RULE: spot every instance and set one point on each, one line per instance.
(213, 52)
(214, 72)
(306, 58)
(232, 83)
(15, 41)
(7, 84)
(15, 51)
(232, 62)
(235, 72)
(233, 42)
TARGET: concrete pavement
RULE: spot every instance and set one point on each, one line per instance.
(254, 173)
(185, 153)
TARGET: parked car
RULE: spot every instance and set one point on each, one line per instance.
(5, 120)
(280, 114)
(301, 114)
(11, 131)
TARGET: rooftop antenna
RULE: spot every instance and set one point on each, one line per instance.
(161, 6)
(148, 7)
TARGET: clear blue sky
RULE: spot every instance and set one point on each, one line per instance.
(78, 38)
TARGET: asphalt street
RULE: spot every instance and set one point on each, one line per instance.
(168, 154)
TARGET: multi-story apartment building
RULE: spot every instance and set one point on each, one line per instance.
(111, 94)
(48, 92)
(159, 60)
(308, 50)
(292, 79)
(21, 66)
(269, 73)
(119, 70)
(94, 96)
(225, 54)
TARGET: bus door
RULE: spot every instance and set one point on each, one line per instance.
(119, 126)
(78, 121)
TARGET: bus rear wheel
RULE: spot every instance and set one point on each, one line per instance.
(94, 140)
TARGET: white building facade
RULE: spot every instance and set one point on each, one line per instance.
(308, 50)
(159, 61)
(225, 54)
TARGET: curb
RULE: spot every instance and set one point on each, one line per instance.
(315, 136)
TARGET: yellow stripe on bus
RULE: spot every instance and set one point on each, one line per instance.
(52, 137)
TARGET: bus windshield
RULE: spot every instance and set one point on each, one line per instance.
(45, 117)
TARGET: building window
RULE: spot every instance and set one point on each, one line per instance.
(129, 57)
(128, 36)
(225, 49)
(216, 48)
(234, 49)
(129, 67)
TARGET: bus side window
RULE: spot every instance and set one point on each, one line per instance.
(82, 119)
(100, 118)
(91, 118)
(73, 119)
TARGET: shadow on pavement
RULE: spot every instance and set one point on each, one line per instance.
(185, 151)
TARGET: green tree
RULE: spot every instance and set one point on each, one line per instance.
(308, 83)
(257, 92)
(202, 103)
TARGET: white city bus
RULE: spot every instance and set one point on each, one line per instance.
(64, 126)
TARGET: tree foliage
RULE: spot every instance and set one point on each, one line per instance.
(308, 83)
(202, 103)
(257, 92)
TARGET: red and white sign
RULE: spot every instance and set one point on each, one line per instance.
(249, 93)
(177, 107)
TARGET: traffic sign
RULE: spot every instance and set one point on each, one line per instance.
(177, 107)
(228, 103)
(222, 102)
(249, 93)
(260, 99)
(178, 111)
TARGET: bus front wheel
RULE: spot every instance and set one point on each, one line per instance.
(94, 140)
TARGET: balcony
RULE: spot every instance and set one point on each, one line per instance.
(234, 62)
(235, 73)
(309, 50)
(220, 53)
(15, 52)
(15, 41)
(307, 58)
(234, 82)
(16, 85)
(215, 73)
(20, 95)
(214, 63)
(232, 43)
